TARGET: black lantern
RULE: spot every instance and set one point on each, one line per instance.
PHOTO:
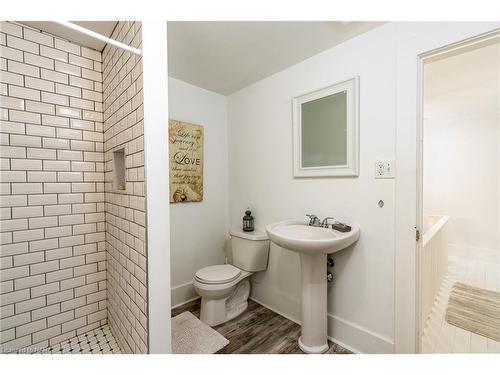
(248, 222)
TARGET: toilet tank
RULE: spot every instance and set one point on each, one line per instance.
(250, 250)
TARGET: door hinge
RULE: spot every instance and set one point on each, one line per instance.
(417, 235)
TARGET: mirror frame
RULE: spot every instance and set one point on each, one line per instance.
(351, 168)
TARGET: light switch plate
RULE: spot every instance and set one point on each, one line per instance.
(385, 169)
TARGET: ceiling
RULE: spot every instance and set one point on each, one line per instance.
(227, 56)
(102, 27)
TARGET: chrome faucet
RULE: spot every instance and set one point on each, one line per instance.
(324, 223)
(313, 220)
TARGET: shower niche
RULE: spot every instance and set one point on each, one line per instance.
(119, 170)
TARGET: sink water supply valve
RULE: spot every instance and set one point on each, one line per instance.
(329, 263)
(329, 276)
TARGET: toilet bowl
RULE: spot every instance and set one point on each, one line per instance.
(223, 296)
(224, 289)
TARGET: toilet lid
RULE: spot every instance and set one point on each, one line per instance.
(218, 274)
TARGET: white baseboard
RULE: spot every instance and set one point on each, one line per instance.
(182, 294)
(274, 310)
(356, 338)
(349, 335)
(276, 300)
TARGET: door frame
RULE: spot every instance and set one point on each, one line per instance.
(408, 191)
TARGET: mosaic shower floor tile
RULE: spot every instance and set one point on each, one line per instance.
(97, 341)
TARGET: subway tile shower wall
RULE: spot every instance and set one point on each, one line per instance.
(125, 209)
(53, 243)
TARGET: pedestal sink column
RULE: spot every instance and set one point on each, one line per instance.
(314, 303)
(313, 243)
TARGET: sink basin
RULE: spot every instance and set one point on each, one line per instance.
(313, 245)
(297, 236)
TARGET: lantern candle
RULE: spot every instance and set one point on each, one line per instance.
(248, 222)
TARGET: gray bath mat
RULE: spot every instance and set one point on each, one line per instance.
(474, 309)
(191, 336)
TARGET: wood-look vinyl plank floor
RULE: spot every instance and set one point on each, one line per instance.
(258, 330)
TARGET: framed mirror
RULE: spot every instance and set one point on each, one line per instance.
(326, 131)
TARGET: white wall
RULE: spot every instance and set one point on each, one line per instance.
(198, 229)
(154, 48)
(461, 145)
(361, 299)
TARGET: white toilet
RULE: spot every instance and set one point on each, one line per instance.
(224, 289)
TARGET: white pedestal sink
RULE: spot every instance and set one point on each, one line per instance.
(313, 244)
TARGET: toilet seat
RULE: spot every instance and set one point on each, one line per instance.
(219, 274)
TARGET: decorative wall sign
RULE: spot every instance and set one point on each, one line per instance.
(186, 161)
